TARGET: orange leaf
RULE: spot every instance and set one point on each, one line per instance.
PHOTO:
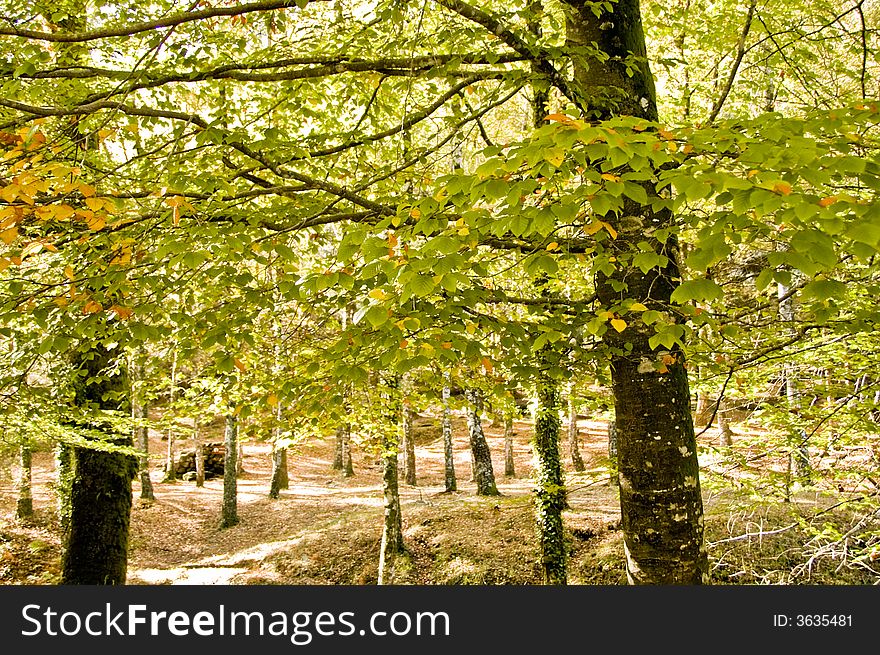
(827, 202)
(783, 188)
(87, 190)
(559, 118)
(403, 344)
(239, 365)
(92, 307)
(122, 312)
(487, 364)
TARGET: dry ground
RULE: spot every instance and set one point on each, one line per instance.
(325, 529)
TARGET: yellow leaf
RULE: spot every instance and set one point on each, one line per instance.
(96, 222)
(446, 345)
(68, 272)
(63, 212)
(610, 229)
(95, 204)
(552, 245)
(428, 348)
(463, 231)
(272, 400)
(555, 156)
(87, 190)
(592, 228)
(5, 263)
(637, 307)
(470, 328)
(377, 294)
(9, 235)
(618, 324)
(610, 177)
(239, 364)
(416, 212)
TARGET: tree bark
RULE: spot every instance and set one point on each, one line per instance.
(799, 442)
(392, 530)
(725, 437)
(509, 466)
(24, 506)
(661, 505)
(409, 447)
(347, 463)
(230, 483)
(550, 497)
(99, 489)
(573, 442)
(200, 454)
(170, 470)
(338, 449)
(142, 430)
(480, 453)
(448, 454)
(279, 471)
(612, 452)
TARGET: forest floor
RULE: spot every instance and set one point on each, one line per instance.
(325, 529)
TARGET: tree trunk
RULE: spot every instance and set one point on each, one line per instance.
(96, 542)
(239, 460)
(24, 506)
(200, 454)
(142, 430)
(63, 455)
(409, 447)
(230, 465)
(347, 464)
(392, 530)
(279, 470)
(170, 469)
(140, 413)
(573, 446)
(661, 505)
(612, 452)
(550, 492)
(480, 454)
(448, 454)
(703, 410)
(509, 468)
(725, 438)
(338, 450)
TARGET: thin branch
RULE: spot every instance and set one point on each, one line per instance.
(734, 69)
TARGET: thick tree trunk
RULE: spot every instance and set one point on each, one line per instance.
(64, 472)
(573, 442)
(96, 542)
(612, 452)
(661, 505)
(480, 453)
(24, 506)
(392, 530)
(550, 492)
(230, 465)
(448, 454)
(509, 466)
(409, 447)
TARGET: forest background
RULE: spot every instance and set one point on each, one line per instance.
(327, 228)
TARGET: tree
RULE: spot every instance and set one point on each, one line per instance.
(229, 512)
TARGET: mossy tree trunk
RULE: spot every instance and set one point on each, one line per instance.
(24, 506)
(661, 505)
(448, 453)
(99, 480)
(392, 543)
(550, 497)
(140, 413)
(170, 469)
(229, 513)
(481, 456)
